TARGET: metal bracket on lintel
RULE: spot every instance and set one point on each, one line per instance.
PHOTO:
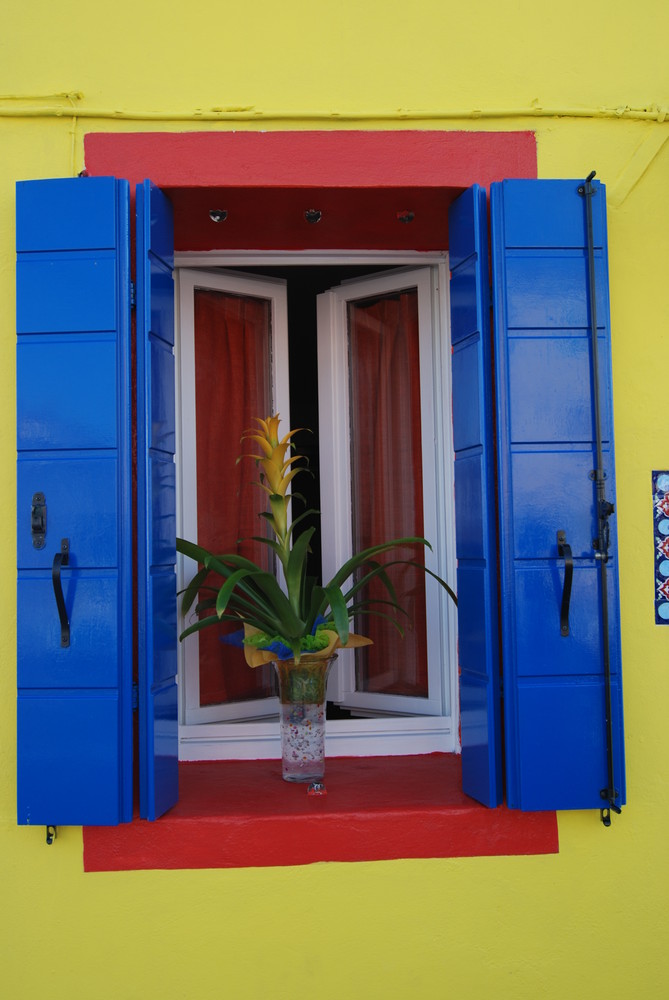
(51, 834)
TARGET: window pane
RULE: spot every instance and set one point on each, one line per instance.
(232, 386)
(387, 489)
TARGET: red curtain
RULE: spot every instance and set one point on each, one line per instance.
(387, 480)
(232, 386)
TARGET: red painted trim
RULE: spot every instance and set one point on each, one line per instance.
(334, 159)
(237, 814)
(360, 181)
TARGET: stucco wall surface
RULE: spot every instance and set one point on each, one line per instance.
(592, 919)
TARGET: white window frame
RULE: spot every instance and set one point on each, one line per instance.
(335, 477)
(257, 739)
(274, 291)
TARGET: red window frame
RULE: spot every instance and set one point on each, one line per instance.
(385, 190)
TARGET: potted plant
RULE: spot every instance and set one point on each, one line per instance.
(298, 626)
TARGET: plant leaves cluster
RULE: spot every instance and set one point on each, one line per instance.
(229, 587)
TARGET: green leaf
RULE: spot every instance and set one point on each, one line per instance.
(248, 586)
(360, 558)
(272, 603)
(389, 618)
(300, 517)
(192, 590)
(268, 541)
(362, 607)
(228, 563)
(377, 569)
(296, 567)
(442, 583)
(339, 611)
(318, 602)
(209, 602)
(195, 552)
(227, 589)
(451, 593)
(202, 623)
(380, 571)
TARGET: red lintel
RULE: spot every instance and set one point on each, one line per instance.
(373, 190)
(323, 159)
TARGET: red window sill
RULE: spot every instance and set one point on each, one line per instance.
(238, 814)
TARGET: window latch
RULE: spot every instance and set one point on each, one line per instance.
(38, 520)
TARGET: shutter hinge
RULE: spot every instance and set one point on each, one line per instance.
(133, 295)
(135, 697)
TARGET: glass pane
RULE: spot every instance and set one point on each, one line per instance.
(387, 488)
(232, 386)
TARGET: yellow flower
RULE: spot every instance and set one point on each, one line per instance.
(277, 472)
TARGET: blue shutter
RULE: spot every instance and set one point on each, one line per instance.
(554, 684)
(475, 499)
(156, 491)
(74, 712)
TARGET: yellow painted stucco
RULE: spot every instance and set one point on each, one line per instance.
(592, 920)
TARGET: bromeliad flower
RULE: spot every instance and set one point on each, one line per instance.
(276, 477)
(305, 617)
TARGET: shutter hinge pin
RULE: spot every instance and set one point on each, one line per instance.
(605, 811)
(51, 834)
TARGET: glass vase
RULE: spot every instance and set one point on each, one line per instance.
(302, 692)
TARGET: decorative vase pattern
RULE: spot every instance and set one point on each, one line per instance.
(302, 692)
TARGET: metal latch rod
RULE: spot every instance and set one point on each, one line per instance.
(603, 507)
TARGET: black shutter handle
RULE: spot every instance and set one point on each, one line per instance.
(564, 551)
(61, 558)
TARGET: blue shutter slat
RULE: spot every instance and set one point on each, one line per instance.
(156, 503)
(554, 691)
(475, 499)
(80, 221)
(68, 766)
(91, 660)
(54, 417)
(74, 711)
(52, 276)
(546, 289)
(62, 477)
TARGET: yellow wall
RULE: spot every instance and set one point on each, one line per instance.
(591, 920)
